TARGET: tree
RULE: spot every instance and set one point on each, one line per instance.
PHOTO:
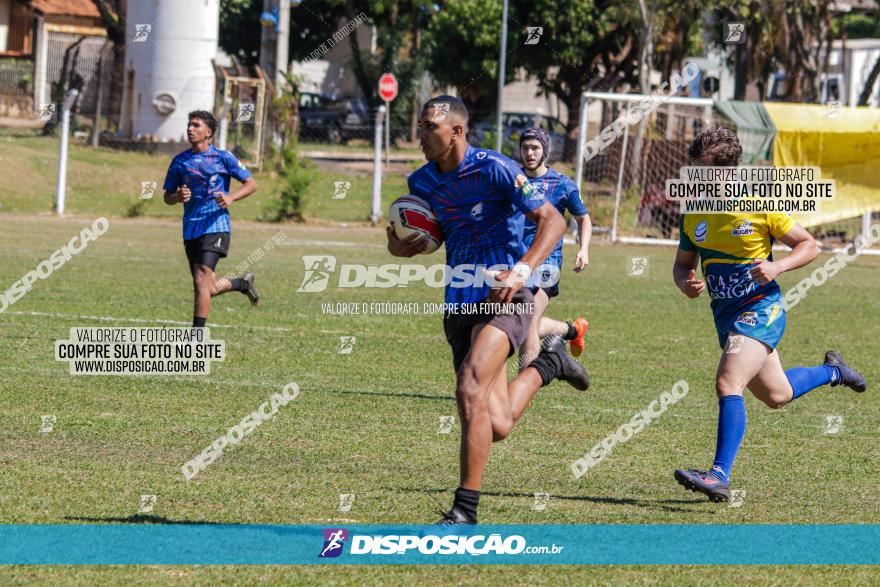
(466, 57)
(868, 89)
(113, 14)
(588, 45)
(665, 24)
(793, 34)
(316, 23)
(241, 30)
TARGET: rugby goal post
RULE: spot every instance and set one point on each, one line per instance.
(634, 167)
(628, 174)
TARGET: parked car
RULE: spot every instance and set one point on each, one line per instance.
(514, 123)
(334, 121)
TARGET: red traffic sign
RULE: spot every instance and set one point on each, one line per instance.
(387, 87)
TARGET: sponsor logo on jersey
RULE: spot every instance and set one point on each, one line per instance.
(700, 231)
(742, 228)
(747, 318)
(540, 188)
(477, 211)
(481, 154)
(499, 160)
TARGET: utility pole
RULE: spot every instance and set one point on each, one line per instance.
(282, 63)
(502, 62)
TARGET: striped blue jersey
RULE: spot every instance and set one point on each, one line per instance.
(562, 192)
(205, 174)
(481, 206)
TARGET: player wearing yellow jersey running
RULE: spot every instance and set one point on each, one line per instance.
(734, 251)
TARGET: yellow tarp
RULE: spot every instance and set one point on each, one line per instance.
(845, 144)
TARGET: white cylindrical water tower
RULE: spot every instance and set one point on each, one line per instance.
(169, 48)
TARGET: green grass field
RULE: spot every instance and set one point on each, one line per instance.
(367, 423)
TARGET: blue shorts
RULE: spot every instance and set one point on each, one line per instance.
(762, 319)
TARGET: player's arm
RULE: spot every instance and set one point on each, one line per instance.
(804, 249)
(176, 190)
(247, 188)
(551, 227)
(685, 275)
(180, 195)
(684, 269)
(578, 210)
(237, 170)
(585, 231)
(405, 247)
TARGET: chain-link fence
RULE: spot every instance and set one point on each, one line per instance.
(625, 169)
(349, 122)
(16, 77)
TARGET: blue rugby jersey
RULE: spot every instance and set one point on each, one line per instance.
(204, 173)
(562, 192)
(481, 206)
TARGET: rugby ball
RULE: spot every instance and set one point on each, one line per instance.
(409, 214)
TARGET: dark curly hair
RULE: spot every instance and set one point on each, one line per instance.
(721, 145)
(207, 117)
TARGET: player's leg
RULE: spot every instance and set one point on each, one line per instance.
(484, 365)
(508, 400)
(203, 286)
(741, 360)
(776, 386)
(529, 350)
(571, 331)
(215, 246)
(206, 285)
(550, 362)
(194, 256)
(770, 385)
(220, 285)
(552, 327)
(488, 406)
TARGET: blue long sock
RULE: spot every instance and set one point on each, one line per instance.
(731, 429)
(804, 379)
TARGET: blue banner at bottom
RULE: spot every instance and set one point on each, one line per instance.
(613, 544)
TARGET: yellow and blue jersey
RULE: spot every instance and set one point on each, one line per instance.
(728, 244)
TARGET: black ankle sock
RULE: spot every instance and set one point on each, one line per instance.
(199, 322)
(467, 500)
(572, 331)
(547, 365)
(238, 284)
